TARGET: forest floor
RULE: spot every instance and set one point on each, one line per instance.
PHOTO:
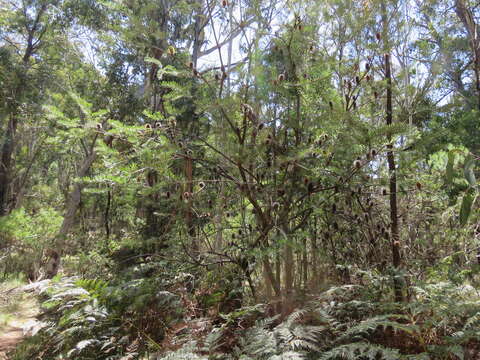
(18, 311)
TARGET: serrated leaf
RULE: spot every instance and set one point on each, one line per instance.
(468, 170)
(466, 207)
(154, 61)
(449, 169)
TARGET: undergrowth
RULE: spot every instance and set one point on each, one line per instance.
(151, 318)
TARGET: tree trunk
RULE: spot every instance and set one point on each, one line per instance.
(271, 278)
(394, 228)
(304, 281)
(53, 262)
(189, 214)
(6, 163)
(268, 284)
(466, 17)
(8, 146)
(289, 273)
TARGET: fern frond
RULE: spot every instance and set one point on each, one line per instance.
(368, 326)
(361, 351)
(185, 353)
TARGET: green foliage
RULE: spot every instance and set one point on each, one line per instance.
(212, 156)
(89, 317)
(93, 263)
(466, 206)
(27, 236)
(187, 352)
(361, 351)
(30, 230)
(383, 322)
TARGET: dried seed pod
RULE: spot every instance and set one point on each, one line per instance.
(418, 186)
(261, 126)
(357, 164)
(357, 79)
(190, 65)
(306, 181)
(373, 152)
(378, 36)
(384, 191)
(311, 187)
(171, 50)
(367, 66)
(224, 3)
(281, 77)
(148, 126)
(276, 205)
(201, 184)
(331, 105)
(99, 127)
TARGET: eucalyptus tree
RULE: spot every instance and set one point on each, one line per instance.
(26, 27)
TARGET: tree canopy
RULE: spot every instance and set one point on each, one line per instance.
(282, 178)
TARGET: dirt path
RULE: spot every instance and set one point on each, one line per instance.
(18, 311)
(9, 338)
